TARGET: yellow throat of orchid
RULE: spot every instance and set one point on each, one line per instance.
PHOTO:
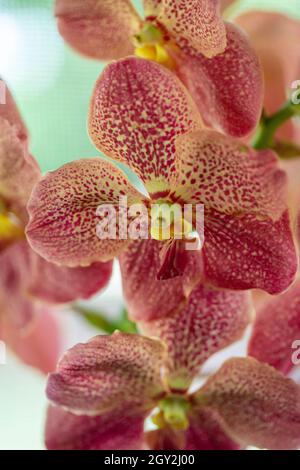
(173, 412)
(168, 222)
(10, 227)
(149, 44)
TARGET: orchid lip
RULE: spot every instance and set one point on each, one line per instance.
(173, 412)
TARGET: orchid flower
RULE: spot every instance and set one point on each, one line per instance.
(213, 58)
(275, 38)
(142, 116)
(276, 329)
(104, 390)
(26, 279)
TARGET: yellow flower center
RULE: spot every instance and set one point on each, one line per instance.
(173, 411)
(167, 222)
(149, 44)
(10, 228)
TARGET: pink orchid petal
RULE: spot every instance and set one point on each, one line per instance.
(110, 431)
(15, 303)
(101, 30)
(258, 405)
(276, 328)
(10, 113)
(206, 433)
(276, 39)
(17, 173)
(137, 110)
(58, 285)
(228, 88)
(63, 212)
(24, 275)
(39, 346)
(208, 321)
(120, 371)
(248, 239)
(197, 24)
(148, 298)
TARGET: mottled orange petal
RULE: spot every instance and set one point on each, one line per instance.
(137, 111)
(110, 431)
(259, 406)
(197, 24)
(98, 29)
(63, 212)
(208, 321)
(246, 226)
(117, 372)
(276, 328)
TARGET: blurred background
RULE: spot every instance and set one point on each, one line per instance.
(52, 86)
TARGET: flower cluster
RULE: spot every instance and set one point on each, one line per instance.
(178, 104)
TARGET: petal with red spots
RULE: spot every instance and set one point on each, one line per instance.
(248, 239)
(196, 24)
(228, 88)
(137, 111)
(65, 217)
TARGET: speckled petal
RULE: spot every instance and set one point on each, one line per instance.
(196, 24)
(246, 221)
(137, 110)
(258, 405)
(110, 431)
(63, 212)
(228, 89)
(120, 371)
(39, 345)
(17, 173)
(276, 39)
(276, 328)
(148, 298)
(209, 321)
(98, 29)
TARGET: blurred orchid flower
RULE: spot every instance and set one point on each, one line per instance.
(142, 116)
(104, 390)
(213, 58)
(276, 329)
(275, 38)
(26, 279)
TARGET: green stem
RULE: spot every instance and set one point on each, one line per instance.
(99, 320)
(269, 125)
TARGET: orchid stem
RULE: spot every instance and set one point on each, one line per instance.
(269, 125)
(99, 320)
